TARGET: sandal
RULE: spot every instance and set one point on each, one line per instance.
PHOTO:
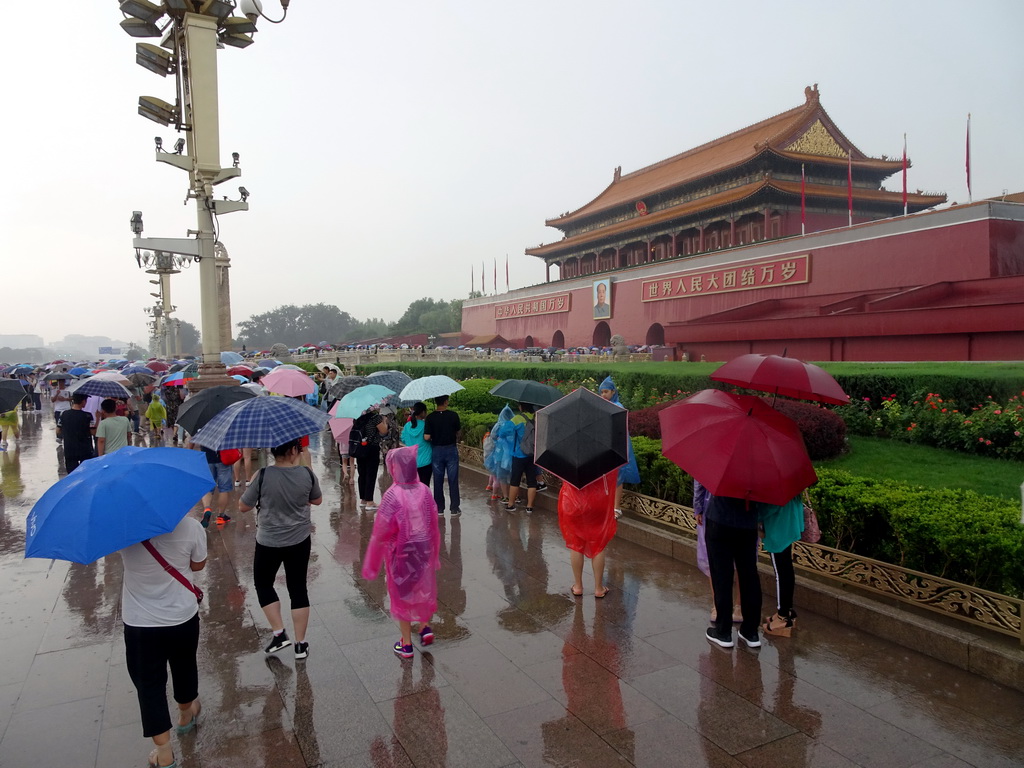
(778, 625)
(154, 760)
(574, 593)
(191, 724)
(603, 592)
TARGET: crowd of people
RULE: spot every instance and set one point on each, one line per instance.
(418, 448)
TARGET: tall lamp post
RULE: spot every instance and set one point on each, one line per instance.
(163, 265)
(190, 31)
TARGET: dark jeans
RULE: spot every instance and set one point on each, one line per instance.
(425, 472)
(785, 579)
(729, 548)
(71, 462)
(266, 563)
(37, 401)
(367, 475)
(149, 651)
(446, 460)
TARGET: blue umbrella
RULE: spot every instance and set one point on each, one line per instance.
(270, 363)
(358, 401)
(260, 422)
(138, 369)
(78, 371)
(100, 388)
(240, 378)
(231, 358)
(113, 501)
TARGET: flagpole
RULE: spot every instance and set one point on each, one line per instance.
(904, 174)
(472, 280)
(970, 198)
(506, 273)
(803, 201)
(849, 186)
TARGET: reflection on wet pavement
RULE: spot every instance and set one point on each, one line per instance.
(520, 673)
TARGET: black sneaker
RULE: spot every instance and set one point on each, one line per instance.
(510, 507)
(754, 641)
(529, 510)
(301, 650)
(542, 487)
(456, 512)
(278, 642)
(725, 641)
(205, 522)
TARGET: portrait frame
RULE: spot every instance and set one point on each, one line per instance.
(602, 310)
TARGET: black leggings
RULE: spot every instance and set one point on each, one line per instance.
(367, 477)
(149, 650)
(425, 473)
(785, 579)
(265, 565)
(734, 548)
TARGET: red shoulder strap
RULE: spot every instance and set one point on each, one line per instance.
(173, 571)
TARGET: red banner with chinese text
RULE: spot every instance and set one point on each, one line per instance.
(561, 302)
(791, 270)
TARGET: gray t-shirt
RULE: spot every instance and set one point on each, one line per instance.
(151, 597)
(283, 518)
(114, 429)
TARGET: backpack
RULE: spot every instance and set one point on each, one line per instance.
(526, 443)
(362, 443)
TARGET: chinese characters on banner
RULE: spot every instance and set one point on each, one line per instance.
(791, 270)
(560, 302)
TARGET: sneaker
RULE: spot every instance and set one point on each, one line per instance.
(426, 636)
(754, 641)
(440, 513)
(237, 483)
(488, 488)
(529, 510)
(278, 642)
(542, 487)
(207, 514)
(403, 651)
(618, 513)
(494, 497)
(456, 512)
(510, 507)
(222, 518)
(723, 641)
(301, 650)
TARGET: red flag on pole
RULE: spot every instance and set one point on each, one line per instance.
(968, 161)
(904, 174)
(849, 186)
(506, 273)
(803, 201)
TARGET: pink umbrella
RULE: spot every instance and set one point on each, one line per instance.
(290, 383)
(340, 429)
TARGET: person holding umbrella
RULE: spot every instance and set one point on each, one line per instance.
(629, 472)
(586, 517)
(522, 459)
(442, 430)
(281, 496)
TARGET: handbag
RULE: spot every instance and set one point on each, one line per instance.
(812, 531)
(173, 571)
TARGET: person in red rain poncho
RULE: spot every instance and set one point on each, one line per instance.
(407, 542)
(587, 519)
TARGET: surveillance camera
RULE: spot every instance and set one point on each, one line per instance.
(197, 258)
(251, 9)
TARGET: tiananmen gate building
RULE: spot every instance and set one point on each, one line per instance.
(778, 236)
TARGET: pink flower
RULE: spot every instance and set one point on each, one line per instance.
(988, 442)
(1016, 434)
(981, 439)
(997, 412)
(943, 410)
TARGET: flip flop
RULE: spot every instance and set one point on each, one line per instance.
(600, 596)
(574, 593)
(191, 724)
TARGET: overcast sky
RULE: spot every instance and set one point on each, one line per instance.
(390, 146)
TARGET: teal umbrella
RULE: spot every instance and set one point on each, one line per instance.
(356, 403)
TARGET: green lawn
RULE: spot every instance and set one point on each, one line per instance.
(930, 467)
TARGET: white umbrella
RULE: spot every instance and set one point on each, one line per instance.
(430, 386)
(117, 376)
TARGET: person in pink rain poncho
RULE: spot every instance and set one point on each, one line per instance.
(407, 542)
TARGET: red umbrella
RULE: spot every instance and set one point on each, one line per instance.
(239, 370)
(782, 375)
(157, 367)
(738, 446)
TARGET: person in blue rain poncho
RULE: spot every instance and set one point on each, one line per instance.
(498, 452)
(628, 472)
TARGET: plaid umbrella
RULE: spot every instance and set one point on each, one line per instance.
(346, 384)
(395, 380)
(260, 422)
(100, 388)
(131, 369)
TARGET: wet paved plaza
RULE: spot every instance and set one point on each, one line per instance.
(521, 673)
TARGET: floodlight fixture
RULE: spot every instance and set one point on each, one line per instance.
(234, 159)
(159, 143)
(142, 10)
(158, 110)
(236, 25)
(219, 9)
(155, 295)
(155, 282)
(179, 146)
(155, 59)
(236, 40)
(136, 223)
(244, 193)
(140, 28)
(178, 6)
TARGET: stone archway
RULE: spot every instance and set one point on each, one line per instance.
(602, 335)
(558, 340)
(655, 336)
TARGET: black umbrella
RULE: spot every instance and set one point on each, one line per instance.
(195, 412)
(11, 393)
(526, 391)
(58, 376)
(346, 384)
(141, 379)
(581, 438)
